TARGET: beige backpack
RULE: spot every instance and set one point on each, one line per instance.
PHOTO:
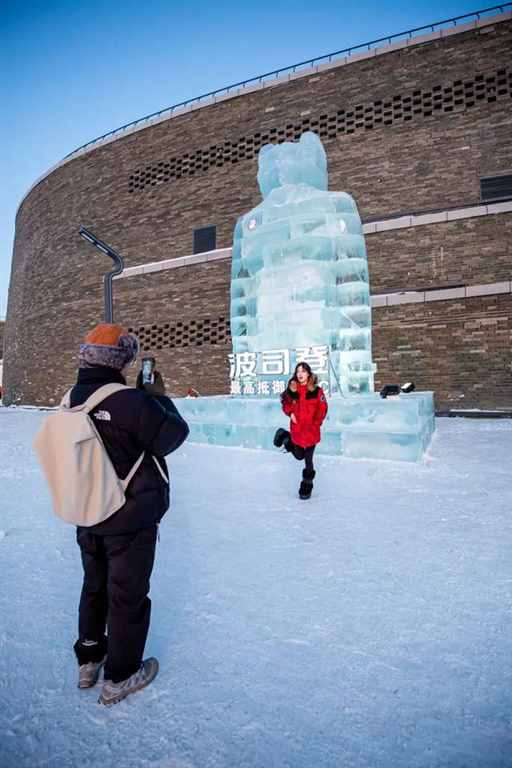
(84, 485)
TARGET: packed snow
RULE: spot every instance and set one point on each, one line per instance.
(370, 626)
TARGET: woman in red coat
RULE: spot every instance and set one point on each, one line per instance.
(304, 402)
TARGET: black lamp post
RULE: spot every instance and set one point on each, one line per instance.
(107, 280)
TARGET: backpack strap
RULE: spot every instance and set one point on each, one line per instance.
(90, 404)
(101, 394)
(125, 483)
(164, 476)
(64, 403)
(95, 399)
(135, 467)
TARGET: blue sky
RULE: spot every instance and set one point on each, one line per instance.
(74, 69)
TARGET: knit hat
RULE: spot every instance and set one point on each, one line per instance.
(109, 345)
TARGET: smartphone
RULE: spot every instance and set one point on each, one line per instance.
(147, 370)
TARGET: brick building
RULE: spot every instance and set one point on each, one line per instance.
(2, 329)
(419, 131)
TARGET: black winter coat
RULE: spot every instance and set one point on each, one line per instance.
(130, 422)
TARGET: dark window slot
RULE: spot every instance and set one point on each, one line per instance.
(494, 188)
(205, 239)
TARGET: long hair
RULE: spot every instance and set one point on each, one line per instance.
(312, 378)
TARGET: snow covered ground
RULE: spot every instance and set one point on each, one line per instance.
(370, 626)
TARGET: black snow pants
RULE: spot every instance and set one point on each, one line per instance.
(117, 571)
(303, 453)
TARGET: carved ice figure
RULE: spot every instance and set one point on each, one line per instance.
(299, 271)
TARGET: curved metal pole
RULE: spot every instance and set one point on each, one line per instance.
(107, 280)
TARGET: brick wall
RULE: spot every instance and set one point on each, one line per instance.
(460, 349)
(464, 252)
(181, 295)
(427, 161)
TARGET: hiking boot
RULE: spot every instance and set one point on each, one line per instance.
(112, 693)
(281, 437)
(306, 486)
(88, 673)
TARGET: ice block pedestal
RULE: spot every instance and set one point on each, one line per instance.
(360, 427)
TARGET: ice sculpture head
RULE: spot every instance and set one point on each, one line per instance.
(301, 162)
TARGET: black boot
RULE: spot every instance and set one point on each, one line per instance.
(282, 438)
(308, 475)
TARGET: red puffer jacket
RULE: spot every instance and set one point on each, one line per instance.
(310, 409)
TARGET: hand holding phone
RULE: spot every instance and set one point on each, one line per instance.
(147, 371)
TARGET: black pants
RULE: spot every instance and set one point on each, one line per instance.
(303, 453)
(117, 571)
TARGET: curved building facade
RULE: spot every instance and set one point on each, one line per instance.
(418, 132)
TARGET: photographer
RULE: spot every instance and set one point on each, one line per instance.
(118, 553)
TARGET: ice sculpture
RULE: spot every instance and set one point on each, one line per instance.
(359, 427)
(299, 291)
(300, 274)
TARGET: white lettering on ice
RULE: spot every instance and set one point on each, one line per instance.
(278, 386)
(316, 357)
(275, 362)
(242, 364)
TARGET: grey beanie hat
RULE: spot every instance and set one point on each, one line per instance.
(108, 345)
